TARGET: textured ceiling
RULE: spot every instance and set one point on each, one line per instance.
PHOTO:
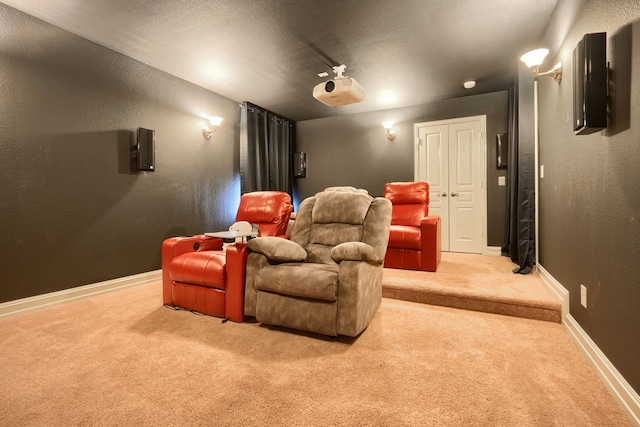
(402, 52)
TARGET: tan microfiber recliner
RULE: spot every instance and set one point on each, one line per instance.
(328, 278)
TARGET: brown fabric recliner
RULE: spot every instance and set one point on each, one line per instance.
(328, 278)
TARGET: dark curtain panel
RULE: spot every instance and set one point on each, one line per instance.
(519, 243)
(280, 156)
(265, 150)
(254, 151)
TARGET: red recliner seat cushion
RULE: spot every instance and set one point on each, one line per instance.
(405, 237)
(204, 268)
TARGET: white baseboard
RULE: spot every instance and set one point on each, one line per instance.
(556, 288)
(38, 302)
(493, 250)
(617, 385)
(620, 389)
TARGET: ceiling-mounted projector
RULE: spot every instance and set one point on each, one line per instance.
(340, 91)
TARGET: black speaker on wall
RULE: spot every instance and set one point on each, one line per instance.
(300, 165)
(146, 156)
(590, 84)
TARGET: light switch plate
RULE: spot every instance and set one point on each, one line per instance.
(583, 296)
(502, 181)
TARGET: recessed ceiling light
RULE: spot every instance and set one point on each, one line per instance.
(469, 84)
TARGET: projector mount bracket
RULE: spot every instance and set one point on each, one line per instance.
(339, 70)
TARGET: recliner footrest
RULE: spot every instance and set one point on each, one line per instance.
(201, 299)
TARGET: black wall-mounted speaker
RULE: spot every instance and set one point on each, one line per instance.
(300, 165)
(146, 156)
(590, 84)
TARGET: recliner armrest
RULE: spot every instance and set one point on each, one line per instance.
(175, 246)
(278, 249)
(355, 251)
(429, 219)
(236, 258)
(431, 242)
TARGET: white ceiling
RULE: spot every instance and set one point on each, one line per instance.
(402, 52)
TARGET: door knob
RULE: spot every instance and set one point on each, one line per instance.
(454, 194)
(443, 194)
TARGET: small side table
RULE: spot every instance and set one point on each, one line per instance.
(230, 236)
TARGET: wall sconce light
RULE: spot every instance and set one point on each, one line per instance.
(215, 122)
(533, 60)
(391, 132)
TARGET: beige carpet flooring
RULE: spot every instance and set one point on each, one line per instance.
(475, 282)
(121, 359)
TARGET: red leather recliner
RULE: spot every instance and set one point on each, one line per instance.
(198, 275)
(414, 239)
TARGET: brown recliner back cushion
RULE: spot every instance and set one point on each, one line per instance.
(328, 219)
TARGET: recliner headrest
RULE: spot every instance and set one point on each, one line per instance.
(269, 209)
(407, 192)
(343, 207)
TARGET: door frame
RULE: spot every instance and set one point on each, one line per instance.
(483, 151)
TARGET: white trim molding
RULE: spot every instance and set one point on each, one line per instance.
(492, 250)
(627, 398)
(38, 302)
(556, 288)
(619, 388)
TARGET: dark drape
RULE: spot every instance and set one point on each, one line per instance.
(519, 240)
(266, 143)
(280, 156)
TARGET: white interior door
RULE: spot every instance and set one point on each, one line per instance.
(433, 161)
(450, 156)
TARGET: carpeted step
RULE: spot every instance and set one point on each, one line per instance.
(475, 282)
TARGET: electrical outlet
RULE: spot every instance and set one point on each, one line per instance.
(583, 296)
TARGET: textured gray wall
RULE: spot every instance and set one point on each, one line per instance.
(72, 211)
(590, 194)
(354, 150)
